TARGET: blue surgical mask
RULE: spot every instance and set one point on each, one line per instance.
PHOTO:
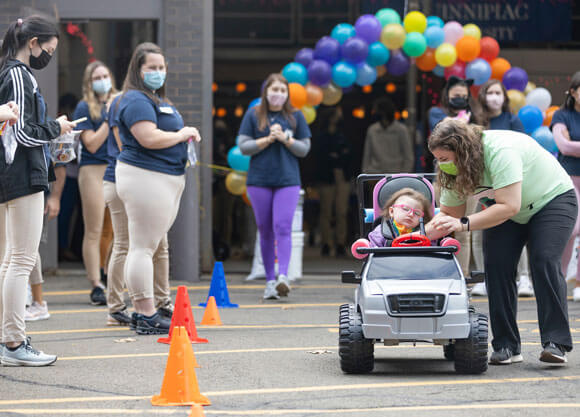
(154, 80)
(102, 86)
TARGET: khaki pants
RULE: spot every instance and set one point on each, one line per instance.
(151, 201)
(115, 272)
(334, 196)
(464, 238)
(93, 204)
(20, 229)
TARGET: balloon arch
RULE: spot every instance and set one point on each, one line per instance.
(379, 43)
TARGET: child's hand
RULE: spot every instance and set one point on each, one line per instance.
(463, 115)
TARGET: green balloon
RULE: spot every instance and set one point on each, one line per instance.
(415, 44)
(387, 16)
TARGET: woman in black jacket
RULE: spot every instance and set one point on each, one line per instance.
(24, 175)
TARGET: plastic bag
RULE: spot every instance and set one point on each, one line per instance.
(62, 149)
(9, 142)
(191, 154)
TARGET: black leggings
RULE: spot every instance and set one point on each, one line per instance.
(546, 235)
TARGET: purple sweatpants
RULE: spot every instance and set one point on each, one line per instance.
(274, 209)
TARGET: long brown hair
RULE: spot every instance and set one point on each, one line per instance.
(465, 141)
(570, 102)
(133, 80)
(481, 97)
(89, 96)
(415, 195)
(262, 108)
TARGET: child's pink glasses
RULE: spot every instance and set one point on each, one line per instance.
(407, 209)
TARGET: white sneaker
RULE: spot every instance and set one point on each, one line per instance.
(270, 292)
(26, 355)
(576, 294)
(28, 296)
(525, 288)
(479, 289)
(283, 285)
(36, 311)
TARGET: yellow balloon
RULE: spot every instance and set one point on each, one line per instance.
(393, 36)
(472, 30)
(236, 183)
(517, 100)
(415, 22)
(445, 55)
(309, 113)
(529, 88)
(331, 94)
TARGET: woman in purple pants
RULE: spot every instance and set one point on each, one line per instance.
(275, 135)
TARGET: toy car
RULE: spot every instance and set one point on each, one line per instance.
(409, 294)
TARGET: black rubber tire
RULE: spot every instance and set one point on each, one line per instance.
(356, 353)
(471, 353)
(449, 351)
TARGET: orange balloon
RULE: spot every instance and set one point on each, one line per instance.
(499, 66)
(313, 95)
(549, 114)
(468, 48)
(426, 62)
(298, 96)
(246, 198)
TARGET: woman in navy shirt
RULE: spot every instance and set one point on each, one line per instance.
(566, 128)
(150, 174)
(97, 88)
(275, 135)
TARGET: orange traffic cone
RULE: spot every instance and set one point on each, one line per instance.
(180, 382)
(196, 411)
(183, 316)
(211, 316)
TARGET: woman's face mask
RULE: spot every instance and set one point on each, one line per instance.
(102, 86)
(459, 102)
(448, 167)
(494, 101)
(154, 80)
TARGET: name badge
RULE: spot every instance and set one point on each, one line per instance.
(166, 110)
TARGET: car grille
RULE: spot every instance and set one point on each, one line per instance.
(422, 304)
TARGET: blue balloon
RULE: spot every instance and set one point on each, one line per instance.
(238, 161)
(531, 118)
(378, 54)
(365, 74)
(304, 56)
(439, 71)
(435, 21)
(398, 64)
(327, 49)
(295, 73)
(478, 70)
(543, 135)
(319, 72)
(342, 32)
(343, 74)
(355, 50)
(255, 102)
(435, 36)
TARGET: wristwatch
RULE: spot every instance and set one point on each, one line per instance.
(464, 221)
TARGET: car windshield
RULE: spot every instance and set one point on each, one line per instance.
(414, 266)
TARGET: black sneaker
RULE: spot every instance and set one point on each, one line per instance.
(553, 353)
(98, 297)
(119, 318)
(133, 323)
(504, 356)
(166, 312)
(152, 325)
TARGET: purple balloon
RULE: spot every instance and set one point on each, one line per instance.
(305, 56)
(354, 50)
(368, 27)
(398, 64)
(327, 49)
(515, 78)
(319, 72)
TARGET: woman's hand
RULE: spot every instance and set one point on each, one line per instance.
(277, 133)
(189, 132)
(65, 125)
(446, 224)
(9, 112)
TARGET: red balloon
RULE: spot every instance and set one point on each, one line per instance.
(457, 69)
(489, 48)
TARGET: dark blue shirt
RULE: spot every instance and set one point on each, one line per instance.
(86, 157)
(274, 166)
(436, 114)
(571, 119)
(136, 107)
(506, 121)
(112, 147)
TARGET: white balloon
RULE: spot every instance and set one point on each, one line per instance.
(539, 97)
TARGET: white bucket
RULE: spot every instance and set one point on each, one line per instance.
(294, 267)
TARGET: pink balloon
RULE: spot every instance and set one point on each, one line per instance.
(457, 69)
(360, 243)
(453, 32)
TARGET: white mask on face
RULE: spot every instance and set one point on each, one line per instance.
(494, 101)
(276, 99)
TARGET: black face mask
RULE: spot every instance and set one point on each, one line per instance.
(459, 103)
(41, 61)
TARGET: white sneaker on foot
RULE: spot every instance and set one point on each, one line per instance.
(26, 355)
(525, 288)
(282, 285)
(479, 289)
(36, 311)
(576, 294)
(270, 292)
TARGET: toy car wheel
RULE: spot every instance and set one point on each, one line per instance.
(356, 353)
(449, 351)
(471, 353)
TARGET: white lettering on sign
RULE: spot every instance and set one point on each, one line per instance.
(483, 12)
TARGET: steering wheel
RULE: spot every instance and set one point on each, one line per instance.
(411, 239)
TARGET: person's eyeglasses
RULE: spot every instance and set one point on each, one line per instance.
(407, 209)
